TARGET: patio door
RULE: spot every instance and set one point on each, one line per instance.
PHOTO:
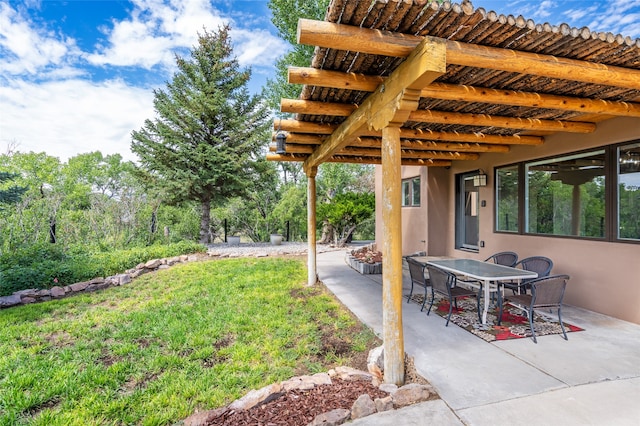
(467, 209)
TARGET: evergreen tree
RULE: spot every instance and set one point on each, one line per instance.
(209, 131)
(12, 194)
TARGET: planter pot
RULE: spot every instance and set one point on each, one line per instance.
(233, 241)
(276, 239)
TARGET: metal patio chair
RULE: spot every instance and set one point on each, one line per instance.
(416, 271)
(506, 258)
(546, 293)
(539, 264)
(445, 283)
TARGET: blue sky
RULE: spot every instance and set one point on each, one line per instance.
(77, 75)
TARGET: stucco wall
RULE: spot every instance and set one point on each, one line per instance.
(605, 276)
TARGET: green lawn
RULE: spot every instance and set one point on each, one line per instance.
(198, 335)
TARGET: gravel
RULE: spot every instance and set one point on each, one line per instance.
(266, 249)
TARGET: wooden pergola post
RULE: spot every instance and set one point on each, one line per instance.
(392, 331)
(312, 275)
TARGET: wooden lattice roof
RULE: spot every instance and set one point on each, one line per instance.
(507, 81)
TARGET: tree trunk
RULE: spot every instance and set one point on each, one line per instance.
(205, 219)
(328, 233)
(346, 237)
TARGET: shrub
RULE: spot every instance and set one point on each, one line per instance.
(48, 265)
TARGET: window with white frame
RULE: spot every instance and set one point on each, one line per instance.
(411, 192)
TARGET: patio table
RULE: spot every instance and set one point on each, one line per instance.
(482, 271)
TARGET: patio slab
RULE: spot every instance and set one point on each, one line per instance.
(598, 367)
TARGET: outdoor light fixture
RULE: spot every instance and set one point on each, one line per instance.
(480, 179)
(281, 147)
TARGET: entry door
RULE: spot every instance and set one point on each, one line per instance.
(467, 209)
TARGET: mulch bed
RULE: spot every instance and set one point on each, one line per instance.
(298, 407)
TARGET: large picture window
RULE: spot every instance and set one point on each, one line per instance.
(411, 192)
(566, 195)
(593, 194)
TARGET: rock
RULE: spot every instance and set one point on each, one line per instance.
(349, 373)
(376, 356)
(389, 387)
(183, 258)
(8, 301)
(153, 264)
(43, 293)
(363, 407)
(257, 397)
(331, 418)
(97, 286)
(163, 266)
(173, 260)
(192, 258)
(27, 299)
(30, 292)
(306, 382)
(79, 286)
(412, 393)
(384, 404)
(97, 280)
(203, 417)
(261, 254)
(123, 279)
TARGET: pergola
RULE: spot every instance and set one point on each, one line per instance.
(402, 82)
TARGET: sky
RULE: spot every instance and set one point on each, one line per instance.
(78, 76)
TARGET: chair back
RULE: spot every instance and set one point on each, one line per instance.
(506, 258)
(441, 280)
(539, 264)
(548, 291)
(416, 271)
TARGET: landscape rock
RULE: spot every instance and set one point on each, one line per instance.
(163, 266)
(153, 264)
(123, 279)
(81, 286)
(331, 418)
(202, 418)
(363, 407)
(11, 300)
(389, 387)
(27, 299)
(384, 404)
(412, 393)
(349, 373)
(97, 286)
(43, 293)
(256, 397)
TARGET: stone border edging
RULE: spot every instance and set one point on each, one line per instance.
(364, 406)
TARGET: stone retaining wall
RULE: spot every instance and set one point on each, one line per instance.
(363, 267)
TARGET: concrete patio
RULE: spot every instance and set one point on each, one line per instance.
(591, 379)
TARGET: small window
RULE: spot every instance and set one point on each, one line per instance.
(411, 192)
(629, 192)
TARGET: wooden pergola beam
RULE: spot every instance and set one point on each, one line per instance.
(358, 160)
(442, 117)
(462, 93)
(296, 126)
(300, 139)
(378, 42)
(374, 151)
(391, 102)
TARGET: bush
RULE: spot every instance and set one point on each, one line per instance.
(46, 266)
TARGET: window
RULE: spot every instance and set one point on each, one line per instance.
(628, 205)
(566, 195)
(411, 192)
(507, 199)
(593, 194)
(467, 208)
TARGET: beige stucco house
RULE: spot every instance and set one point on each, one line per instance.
(491, 133)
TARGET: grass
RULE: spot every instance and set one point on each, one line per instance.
(196, 336)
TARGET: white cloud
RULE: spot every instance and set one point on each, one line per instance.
(68, 117)
(257, 47)
(544, 9)
(25, 49)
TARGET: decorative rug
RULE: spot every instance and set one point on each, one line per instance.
(515, 324)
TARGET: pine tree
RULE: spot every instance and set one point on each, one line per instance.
(208, 134)
(12, 194)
